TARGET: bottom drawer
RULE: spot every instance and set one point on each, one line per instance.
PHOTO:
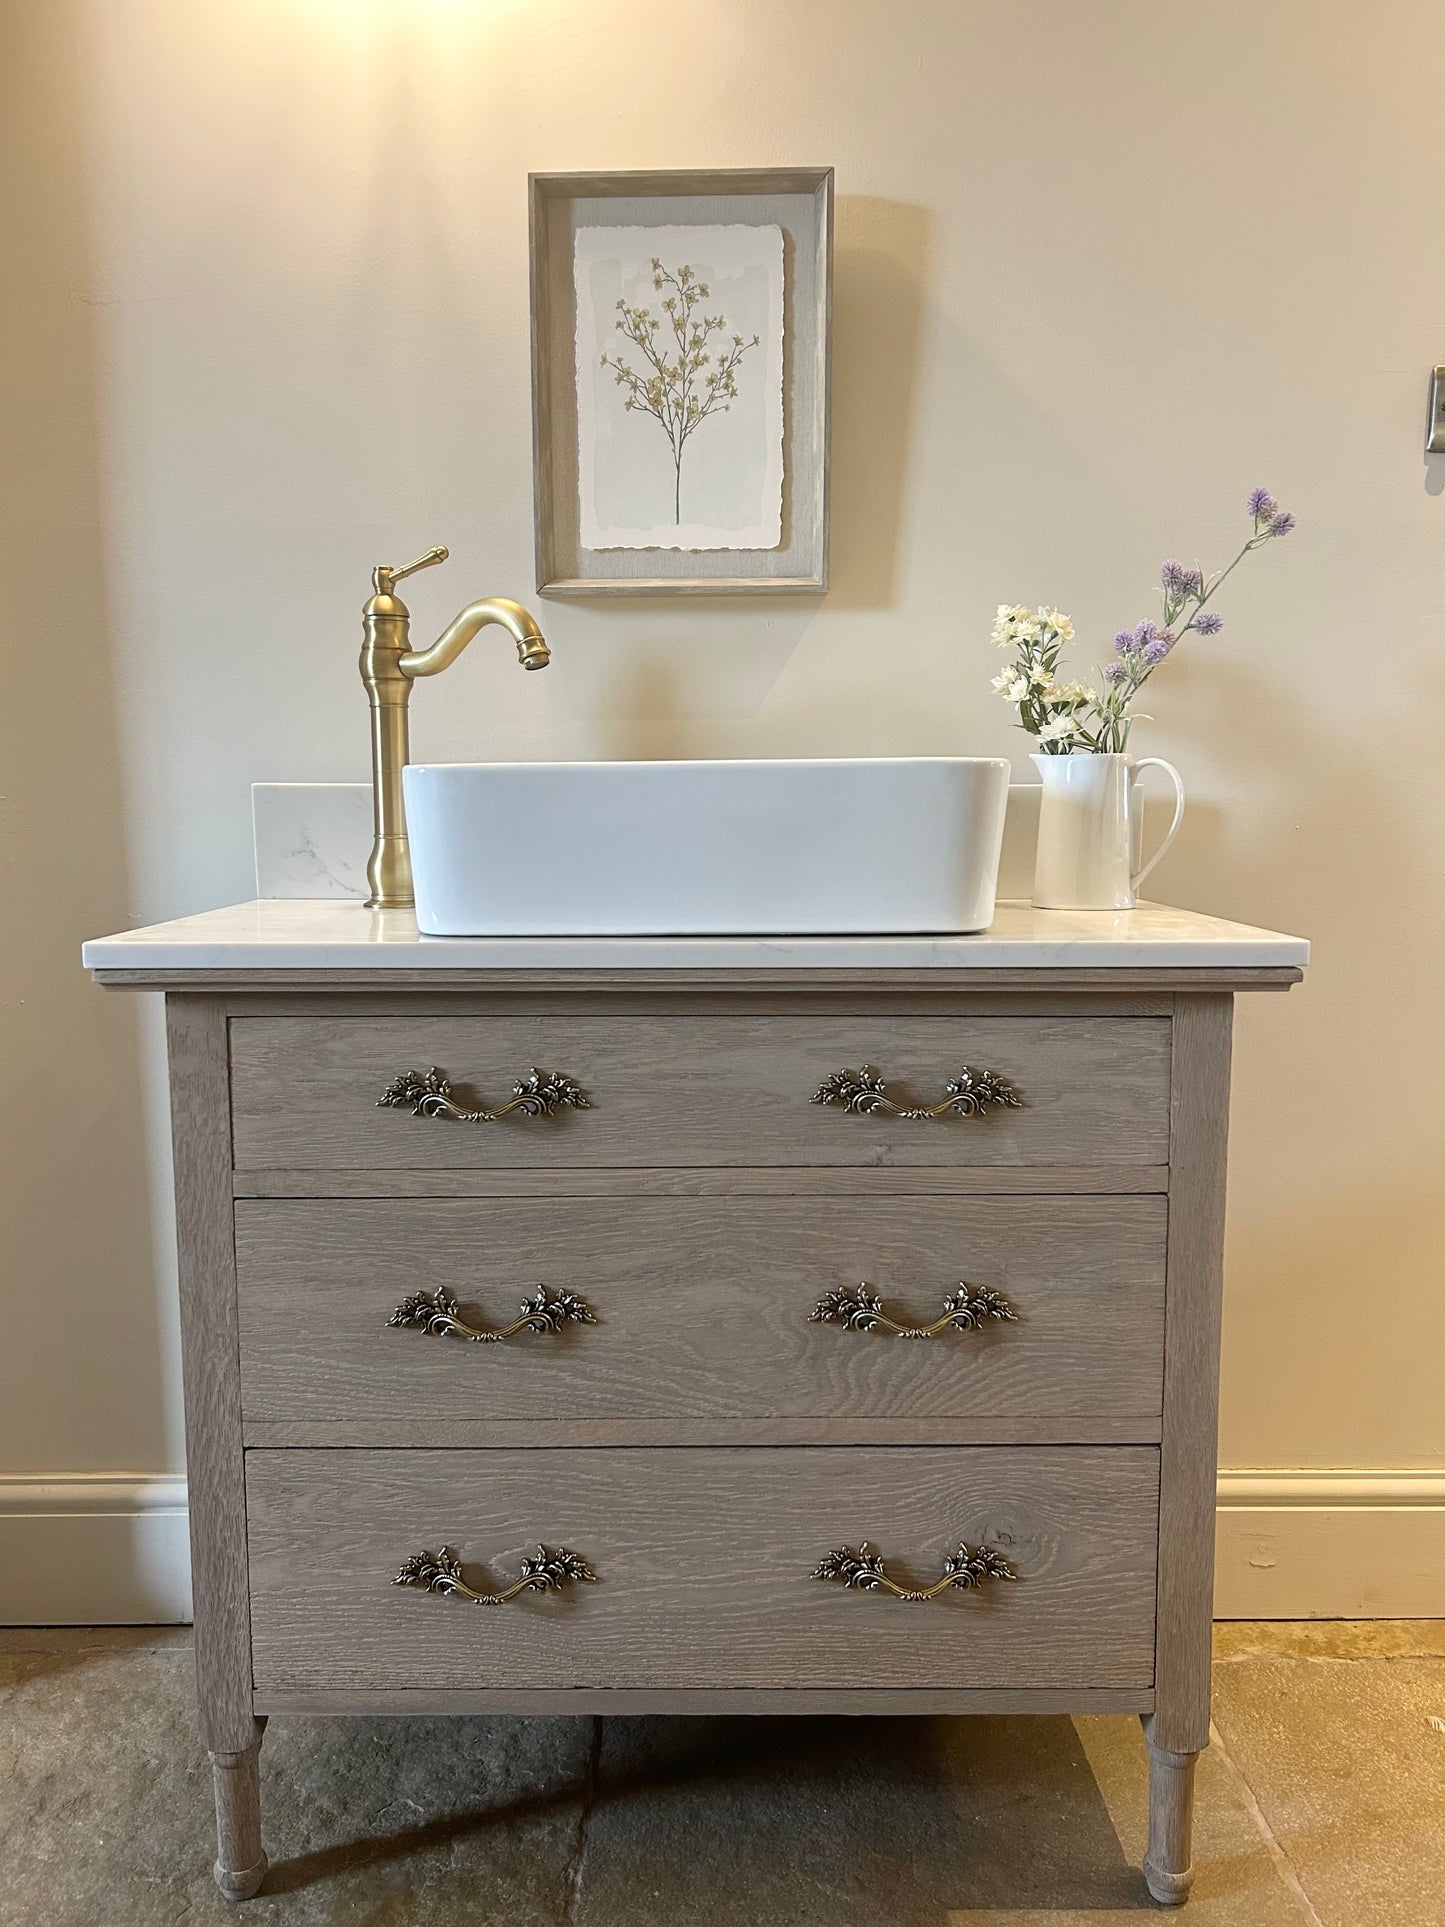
(704, 1561)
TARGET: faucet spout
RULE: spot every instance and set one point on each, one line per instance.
(532, 650)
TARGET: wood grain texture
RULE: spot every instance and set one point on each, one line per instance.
(1092, 1428)
(195, 1028)
(618, 998)
(678, 181)
(564, 588)
(240, 1859)
(862, 1701)
(704, 1445)
(200, 1106)
(698, 1091)
(704, 1560)
(1168, 1862)
(742, 1181)
(703, 1308)
(1148, 980)
(1199, 1105)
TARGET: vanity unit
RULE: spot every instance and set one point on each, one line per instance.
(809, 1325)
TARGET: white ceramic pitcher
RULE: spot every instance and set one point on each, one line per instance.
(1090, 817)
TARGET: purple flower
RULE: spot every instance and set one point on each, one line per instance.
(1281, 524)
(1179, 581)
(1262, 503)
(1157, 648)
(1115, 672)
(1208, 624)
(1133, 642)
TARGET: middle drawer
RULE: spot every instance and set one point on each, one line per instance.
(702, 1308)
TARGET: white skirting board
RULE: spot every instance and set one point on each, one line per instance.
(111, 1549)
(94, 1549)
(1330, 1545)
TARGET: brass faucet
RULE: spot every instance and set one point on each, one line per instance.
(388, 665)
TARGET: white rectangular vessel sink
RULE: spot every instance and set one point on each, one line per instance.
(706, 849)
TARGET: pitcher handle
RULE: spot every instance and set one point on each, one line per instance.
(1177, 780)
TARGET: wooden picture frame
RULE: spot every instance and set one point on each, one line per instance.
(799, 200)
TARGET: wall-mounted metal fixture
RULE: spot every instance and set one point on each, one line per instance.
(1435, 425)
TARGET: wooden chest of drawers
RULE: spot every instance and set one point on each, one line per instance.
(746, 1345)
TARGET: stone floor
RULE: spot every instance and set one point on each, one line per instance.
(1321, 1804)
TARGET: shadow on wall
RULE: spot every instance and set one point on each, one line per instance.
(1272, 750)
(879, 276)
(678, 692)
(84, 1378)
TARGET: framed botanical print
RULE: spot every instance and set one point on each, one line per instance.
(680, 371)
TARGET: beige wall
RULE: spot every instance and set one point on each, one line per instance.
(1100, 268)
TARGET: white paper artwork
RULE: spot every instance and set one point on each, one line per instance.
(680, 387)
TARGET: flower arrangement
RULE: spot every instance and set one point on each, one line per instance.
(1070, 716)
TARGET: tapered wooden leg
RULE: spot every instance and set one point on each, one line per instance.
(196, 1027)
(1168, 1871)
(240, 1862)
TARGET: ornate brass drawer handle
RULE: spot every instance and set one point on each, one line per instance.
(860, 1309)
(863, 1093)
(543, 1571)
(966, 1569)
(538, 1094)
(436, 1313)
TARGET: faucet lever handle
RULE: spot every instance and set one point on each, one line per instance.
(382, 577)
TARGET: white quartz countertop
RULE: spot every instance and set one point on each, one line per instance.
(327, 936)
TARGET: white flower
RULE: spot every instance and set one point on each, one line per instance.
(1058, 729)
(1011, 686)
(1072, 693)
(1056, 620)
(1005, 628)
(1040, 677)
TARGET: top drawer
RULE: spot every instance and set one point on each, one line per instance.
(700, 1091)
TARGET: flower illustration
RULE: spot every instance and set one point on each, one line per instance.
(689, 373)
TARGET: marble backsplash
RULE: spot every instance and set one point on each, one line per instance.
(313, 839)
